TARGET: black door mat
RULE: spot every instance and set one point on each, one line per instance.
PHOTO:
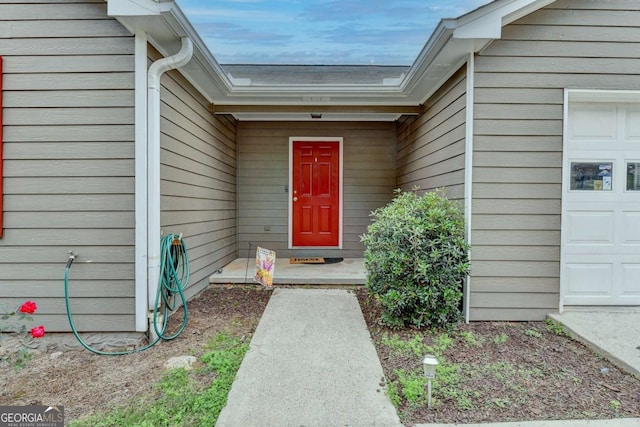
(314, 260)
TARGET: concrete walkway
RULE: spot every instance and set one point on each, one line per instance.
(311, 363)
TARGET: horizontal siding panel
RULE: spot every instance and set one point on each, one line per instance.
(99, 254)
(516, 191)
(41, 271)
(66, 237)
(91, 288)
(592, 18)
(105, 133)
(557, 65)
(70, 64)
(515, 253)
(86, 219)
(516, 222)
(518, 127)
(76, 168)
(518, 96)
(582, 49)
(63, 98)
(45, 11)
(569, 81)
(516, 237)
(505, 143)
(70, 202)
(515, 300)
(517, 111)
(582, 5)
(68, 185)
(61, 29)
(68, 116)
(571, 33)
(80, 306)
(67, 46)
(515, 174)
(509, 314)
(90, 322)
(507, 160)
(516, 206)
(516, 284)
(68, 150)
(516, 268)
(69, 81)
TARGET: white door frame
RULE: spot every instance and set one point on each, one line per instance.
(340, 142)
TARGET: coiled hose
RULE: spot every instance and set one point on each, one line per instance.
(174, 278)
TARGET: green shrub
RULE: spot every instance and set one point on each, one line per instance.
(416, 259)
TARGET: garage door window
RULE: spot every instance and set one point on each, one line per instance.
(633, 176)
(592, 176)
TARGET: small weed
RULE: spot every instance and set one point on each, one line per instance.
(615, 404)
(533, 333)
(500, 402)
(500, 339)
(414, 346)
(470, 338)
(442, 342)
(413, 386)
(555, 327)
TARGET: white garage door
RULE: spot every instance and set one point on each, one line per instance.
(601, 204)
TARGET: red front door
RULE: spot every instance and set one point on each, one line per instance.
(316, 193)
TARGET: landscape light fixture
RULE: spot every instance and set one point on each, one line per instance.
(429, 364)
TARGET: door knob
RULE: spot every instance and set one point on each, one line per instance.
(295, 199)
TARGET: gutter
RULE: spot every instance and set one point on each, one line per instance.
(153, 161)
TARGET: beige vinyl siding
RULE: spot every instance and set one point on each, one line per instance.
(69, 167)
(431, 146)
(263, 175)
(518, 112)
(198, 177)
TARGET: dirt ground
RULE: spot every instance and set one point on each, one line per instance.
(86, 383)
(565, 379)
(511, 371)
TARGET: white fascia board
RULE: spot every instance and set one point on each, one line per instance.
(486, 22)
(135, 7)
(326, 117)
(165, 25)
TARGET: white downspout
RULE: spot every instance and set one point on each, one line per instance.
(468, 172)
(141, 181)
(153, 175)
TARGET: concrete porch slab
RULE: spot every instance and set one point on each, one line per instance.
(348, 272)
(614, 332)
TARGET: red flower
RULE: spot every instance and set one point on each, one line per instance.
(37, 332)
(28, 307)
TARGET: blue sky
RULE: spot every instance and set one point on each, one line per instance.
(383, 32)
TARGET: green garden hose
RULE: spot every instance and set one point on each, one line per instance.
(174, 278)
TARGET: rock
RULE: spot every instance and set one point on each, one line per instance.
(185, 362)
(55, 355)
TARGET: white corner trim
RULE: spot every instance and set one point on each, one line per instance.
(468, 171)
(153, 161)
(140, 94)
(563, 219)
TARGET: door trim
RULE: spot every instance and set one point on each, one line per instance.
(572, 96)
(340, 142)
